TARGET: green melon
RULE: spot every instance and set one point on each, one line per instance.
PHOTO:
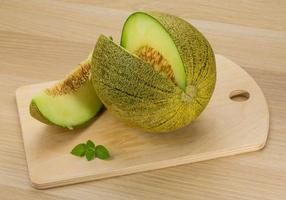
(160, 78)
(69, 103)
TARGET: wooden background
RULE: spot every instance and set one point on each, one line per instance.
(37, 37)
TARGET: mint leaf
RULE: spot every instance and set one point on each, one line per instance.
(101, 152)
(79, 150)
(90, 151)
(90, 154)
(90, 144)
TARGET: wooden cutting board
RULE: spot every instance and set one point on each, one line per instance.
(235, 121)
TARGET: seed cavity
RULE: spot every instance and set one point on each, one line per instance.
(73, 81)
(156, 60)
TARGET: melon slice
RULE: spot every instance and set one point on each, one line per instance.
(69, 103)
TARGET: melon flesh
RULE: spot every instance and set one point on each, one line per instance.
(69, 103)
(69, 110)
(141, 30)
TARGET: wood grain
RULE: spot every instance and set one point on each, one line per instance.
(216, 133)
(41, 41)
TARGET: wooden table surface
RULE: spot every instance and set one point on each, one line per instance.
(43, 40)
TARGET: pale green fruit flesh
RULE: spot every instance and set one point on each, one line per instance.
(70, 103)
(142, 30)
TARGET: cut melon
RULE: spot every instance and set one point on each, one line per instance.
(70, 103)
(161, 77)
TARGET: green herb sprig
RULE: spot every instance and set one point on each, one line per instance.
(90, 151)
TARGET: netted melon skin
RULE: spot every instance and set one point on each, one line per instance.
(195, 51)
(140, 96)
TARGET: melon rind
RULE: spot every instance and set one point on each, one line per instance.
(143, 98)
(137, 94)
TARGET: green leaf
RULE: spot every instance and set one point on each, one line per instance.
(101, 152)
(89, 150)
(79, 150)
(90, 144)
(90, 154)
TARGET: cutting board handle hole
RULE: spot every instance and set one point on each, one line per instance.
(239, 95)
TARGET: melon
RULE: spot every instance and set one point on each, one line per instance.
(69, 103)
(160, 78)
